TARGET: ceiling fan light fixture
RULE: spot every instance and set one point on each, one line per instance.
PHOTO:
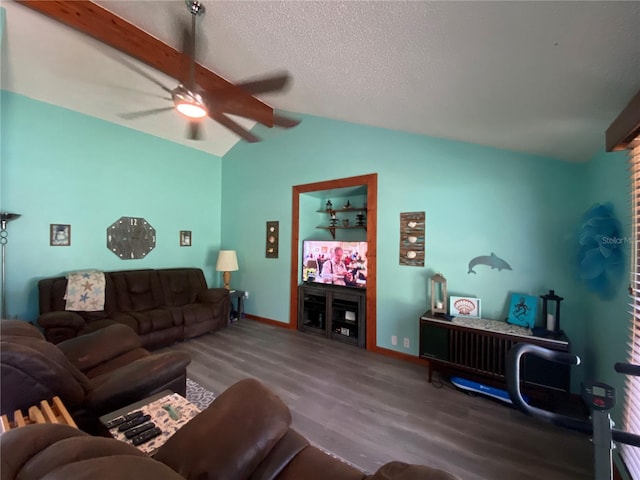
(191, 110)
(190, 104)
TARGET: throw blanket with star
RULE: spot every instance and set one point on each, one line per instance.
(85, 291)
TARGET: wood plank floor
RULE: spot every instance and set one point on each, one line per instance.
(370, 409)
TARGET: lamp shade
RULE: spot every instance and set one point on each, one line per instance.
(227, 261)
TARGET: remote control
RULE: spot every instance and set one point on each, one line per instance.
(122, 418)
(134, 423)
(132, 432)
(146, 436)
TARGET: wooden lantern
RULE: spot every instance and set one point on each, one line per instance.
(438, 294)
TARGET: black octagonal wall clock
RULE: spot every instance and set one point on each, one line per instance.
(131, 238)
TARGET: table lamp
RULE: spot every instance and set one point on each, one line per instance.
(227, 263)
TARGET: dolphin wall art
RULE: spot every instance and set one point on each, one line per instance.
(492, 261)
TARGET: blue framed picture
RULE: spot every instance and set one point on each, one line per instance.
(523, 309)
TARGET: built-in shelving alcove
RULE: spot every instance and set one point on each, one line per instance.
(309, 208)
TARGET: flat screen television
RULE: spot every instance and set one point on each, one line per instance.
(318, 267)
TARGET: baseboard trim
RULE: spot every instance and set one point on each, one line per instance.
(400, 356)
(268, 321)
(382, 351)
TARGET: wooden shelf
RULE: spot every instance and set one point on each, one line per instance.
(333, 212)
(338, 210)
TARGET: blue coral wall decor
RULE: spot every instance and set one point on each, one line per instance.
(601, 251)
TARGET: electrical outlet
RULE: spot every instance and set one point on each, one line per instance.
(406, 342)
(246, 294)
(394, 340)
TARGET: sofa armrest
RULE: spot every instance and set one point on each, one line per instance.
(406, 471)
(90, 350)
(231, 437)
(212, 295)
(139, 379)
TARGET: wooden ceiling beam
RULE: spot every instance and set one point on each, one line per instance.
(97, 22)
(625, 128)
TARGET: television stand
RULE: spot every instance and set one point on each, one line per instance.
(333, 311)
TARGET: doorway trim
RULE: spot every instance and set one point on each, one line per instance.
(371, 182)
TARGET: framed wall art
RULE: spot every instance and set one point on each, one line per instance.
(59, 235)
(412, 239)
(185, 238)
(465, 307)
(522, 310)
(272, 240)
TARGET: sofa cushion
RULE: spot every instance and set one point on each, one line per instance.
(137, 290)
(181, 285)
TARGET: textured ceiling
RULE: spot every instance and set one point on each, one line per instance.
(545, 78)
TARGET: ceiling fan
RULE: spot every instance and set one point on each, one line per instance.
(197, 104)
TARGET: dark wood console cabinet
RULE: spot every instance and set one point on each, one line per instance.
(480, 353)
(333, 311)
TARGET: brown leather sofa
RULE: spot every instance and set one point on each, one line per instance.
(93, 374)
(245, 434)
(162, 306)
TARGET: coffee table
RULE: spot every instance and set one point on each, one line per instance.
(153, 406)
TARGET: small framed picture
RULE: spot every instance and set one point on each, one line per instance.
(185, 238)
(59, 235)
(465, 307)
(523, 309)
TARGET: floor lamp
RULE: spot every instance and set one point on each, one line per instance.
(227, 263)
(4, 219)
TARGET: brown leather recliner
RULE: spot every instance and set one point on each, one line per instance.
(93, 374)
(245, 434)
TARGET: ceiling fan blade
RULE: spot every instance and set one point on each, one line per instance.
(234, 127)
(194, 132)
(144, 113)
(141, 72)
(266, 84)
(284, 122)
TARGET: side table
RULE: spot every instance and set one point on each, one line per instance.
(239, 296)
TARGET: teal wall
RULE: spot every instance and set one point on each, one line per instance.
(477, 200)
(607, 325)
(60, 166)
(3, 16)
